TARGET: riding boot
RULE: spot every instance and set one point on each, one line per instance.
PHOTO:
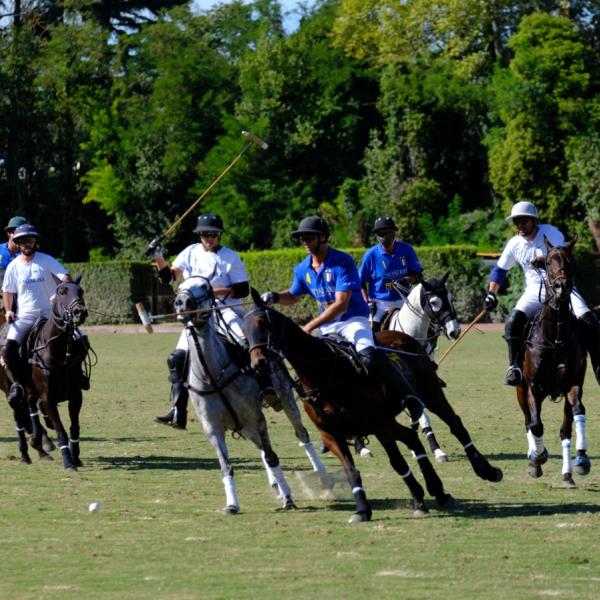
(177, 416)
(379, 364)
(268, 394)
(591, 336)
(513, 334)
(12, 360)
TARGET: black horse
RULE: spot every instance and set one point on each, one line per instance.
(343, 403)
(57, 351)
(554, 365)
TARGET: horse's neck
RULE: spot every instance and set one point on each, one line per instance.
(555, 321)
(411, 317)
(211, 347)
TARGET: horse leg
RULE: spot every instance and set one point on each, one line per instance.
(75, 402)
(37, 431)
(438, 404)
(434, 484)
(292, 412)
(537, 454)
(582, 462)
(51, 409)
(401, 467)
(425, 423)
(339, 446)
(566, 431)
(216, 437)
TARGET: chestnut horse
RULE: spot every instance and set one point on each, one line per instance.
(554, 365)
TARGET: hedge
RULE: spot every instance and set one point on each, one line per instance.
(113, 288)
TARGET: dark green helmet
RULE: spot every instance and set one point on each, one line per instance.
(15, 222)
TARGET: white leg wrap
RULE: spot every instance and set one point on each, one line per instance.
(230, 491)
(536, 445)
(424, 421)
(270, 475)
(580, 441)
(356, 489)
(315, 461)
(566, 456)
(284, 488)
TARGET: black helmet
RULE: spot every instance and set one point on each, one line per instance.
(384, 223)
(209, 222)
(24, 231)
(311, 225)
(15, 222)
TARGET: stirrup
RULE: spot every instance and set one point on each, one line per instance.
(15, 395)
(270, 398)
(514, 376)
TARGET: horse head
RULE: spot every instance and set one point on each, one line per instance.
(257, 329)
(559, 264)
(436, 301)
(68, 305)
(194, 295)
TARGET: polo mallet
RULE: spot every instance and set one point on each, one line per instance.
(462, 335)
(253, 140)
(146, 318)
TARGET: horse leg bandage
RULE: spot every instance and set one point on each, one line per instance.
(581, 442)
(566, 456)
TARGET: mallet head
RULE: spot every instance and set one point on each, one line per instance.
(144, 317)
(255, 139)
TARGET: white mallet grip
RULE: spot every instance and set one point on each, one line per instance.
(144, 317)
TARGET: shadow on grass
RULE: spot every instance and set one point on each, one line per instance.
(171, 463)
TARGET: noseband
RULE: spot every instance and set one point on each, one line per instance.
(75, 307)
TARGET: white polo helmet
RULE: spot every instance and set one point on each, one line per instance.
(522, 209)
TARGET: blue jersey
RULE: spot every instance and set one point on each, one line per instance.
(337, 274)
(5, 255)
(378, 269)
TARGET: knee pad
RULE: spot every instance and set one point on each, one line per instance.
(515, 325)
(176, 361)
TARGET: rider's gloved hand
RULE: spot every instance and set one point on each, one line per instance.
(154, 250)
(10, 316)
(490, 302)
(270, 298)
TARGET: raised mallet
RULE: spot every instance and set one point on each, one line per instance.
(253, 140)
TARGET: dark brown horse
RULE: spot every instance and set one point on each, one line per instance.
(554, 365)
(57, 351)
(343, 403)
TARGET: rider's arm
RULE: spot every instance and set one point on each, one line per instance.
(7, 301)
(336, 309)
(365, 292)
(287, 298)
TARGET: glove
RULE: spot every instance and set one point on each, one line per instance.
(10, 316)
(270, 298)
(154, 250)
(490, 301)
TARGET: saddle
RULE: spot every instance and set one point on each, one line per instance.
(344, 349)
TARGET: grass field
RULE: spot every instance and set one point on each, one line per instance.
(161, 533)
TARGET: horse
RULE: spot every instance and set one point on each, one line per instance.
(343, 403)
(225, 394)
(427, 311)
(554, 365)
(57, 351)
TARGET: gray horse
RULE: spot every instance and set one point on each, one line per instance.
(225, 395)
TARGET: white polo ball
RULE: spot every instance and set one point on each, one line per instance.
(94, 507)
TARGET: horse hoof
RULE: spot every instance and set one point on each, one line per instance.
(46, 458)
(446, 501)
(419, 508)
(583, 465)
(441, 456)
(48, 445)
(496, 475)
(568, 480)
(25, 460)
(366, 453)
(534, 470)
(542, 458)
(231, 510)
(71, 469)
(289, 504)
(359, 518)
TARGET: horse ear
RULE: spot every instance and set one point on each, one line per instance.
(539, 262)
(57, 281)
(569, 245)
(256, 297)
(445, 276)
(78, 278)
(547, 243)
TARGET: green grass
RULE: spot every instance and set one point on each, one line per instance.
(160, 532)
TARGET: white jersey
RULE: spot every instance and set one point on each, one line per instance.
(223, 267)
(522, 251)
(33, 283)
